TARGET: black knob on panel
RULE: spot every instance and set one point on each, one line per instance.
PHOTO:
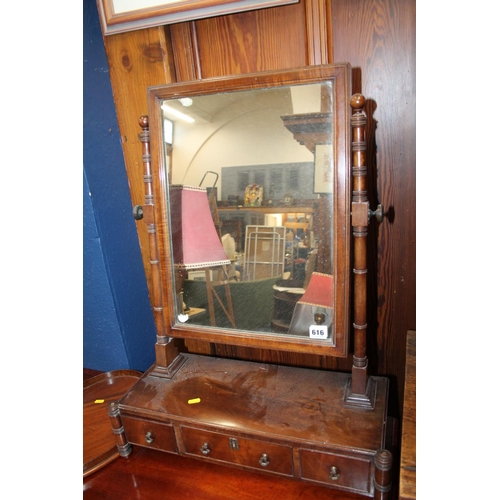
(137, 212)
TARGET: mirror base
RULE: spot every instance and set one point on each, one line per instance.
(366, 400)
(293, 417)
(169, 371)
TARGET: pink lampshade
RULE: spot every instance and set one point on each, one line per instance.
(195, 241)
(319, 291)
(318, 297)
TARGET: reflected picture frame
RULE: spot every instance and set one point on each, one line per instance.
(120, 16)
(323, 169)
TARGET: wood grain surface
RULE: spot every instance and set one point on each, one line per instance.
(151, 474)
(408, 471)
(99, 442)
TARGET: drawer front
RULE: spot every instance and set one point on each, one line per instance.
(336, 470)
(150, 434)
(240, 451)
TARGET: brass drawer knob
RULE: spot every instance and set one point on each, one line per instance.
(149, 437)
(263, 460)
(334, 473)
(205, 449)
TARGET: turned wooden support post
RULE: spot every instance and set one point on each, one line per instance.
(165, 350)
(360, 211)
(124, 447)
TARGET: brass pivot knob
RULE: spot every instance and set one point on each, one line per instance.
(379, 213)
(137, 212)
(205, 449)
(334, 473)
(264, 461)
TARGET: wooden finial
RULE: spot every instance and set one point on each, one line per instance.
(358, 101)
(144, 121)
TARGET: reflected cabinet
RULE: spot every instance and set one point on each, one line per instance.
(257, 214)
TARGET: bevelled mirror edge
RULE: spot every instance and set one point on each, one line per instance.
(339, 75)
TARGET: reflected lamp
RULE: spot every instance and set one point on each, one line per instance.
(196, 243)
(314, 308)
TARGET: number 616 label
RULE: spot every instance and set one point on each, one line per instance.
(318, 332)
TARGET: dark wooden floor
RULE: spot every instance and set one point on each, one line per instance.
(155, 475)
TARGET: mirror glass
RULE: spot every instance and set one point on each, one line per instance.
(250, 187)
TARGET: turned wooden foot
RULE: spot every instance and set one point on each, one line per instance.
(383, 466)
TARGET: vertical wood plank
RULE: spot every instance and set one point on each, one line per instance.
(136, 60)
(408, 465)
(184, 43)
(252, 41)
(318, 30)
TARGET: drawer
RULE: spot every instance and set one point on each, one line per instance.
(240, 451)
(150, 434)
(337, 470)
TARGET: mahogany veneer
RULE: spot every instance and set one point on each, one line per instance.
(99, 443)
(285, 421)
(151, 474)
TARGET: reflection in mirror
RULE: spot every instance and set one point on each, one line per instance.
(250, 176)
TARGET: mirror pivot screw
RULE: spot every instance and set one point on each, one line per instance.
(137, 212)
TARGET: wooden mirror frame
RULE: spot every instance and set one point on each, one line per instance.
(155, 213)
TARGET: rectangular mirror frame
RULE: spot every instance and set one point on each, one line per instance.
(155, 210)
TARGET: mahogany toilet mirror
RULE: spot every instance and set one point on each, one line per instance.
(285, 155)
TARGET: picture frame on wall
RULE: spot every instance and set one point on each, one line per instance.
(119, 16)
(254, 194)
(323, 169)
